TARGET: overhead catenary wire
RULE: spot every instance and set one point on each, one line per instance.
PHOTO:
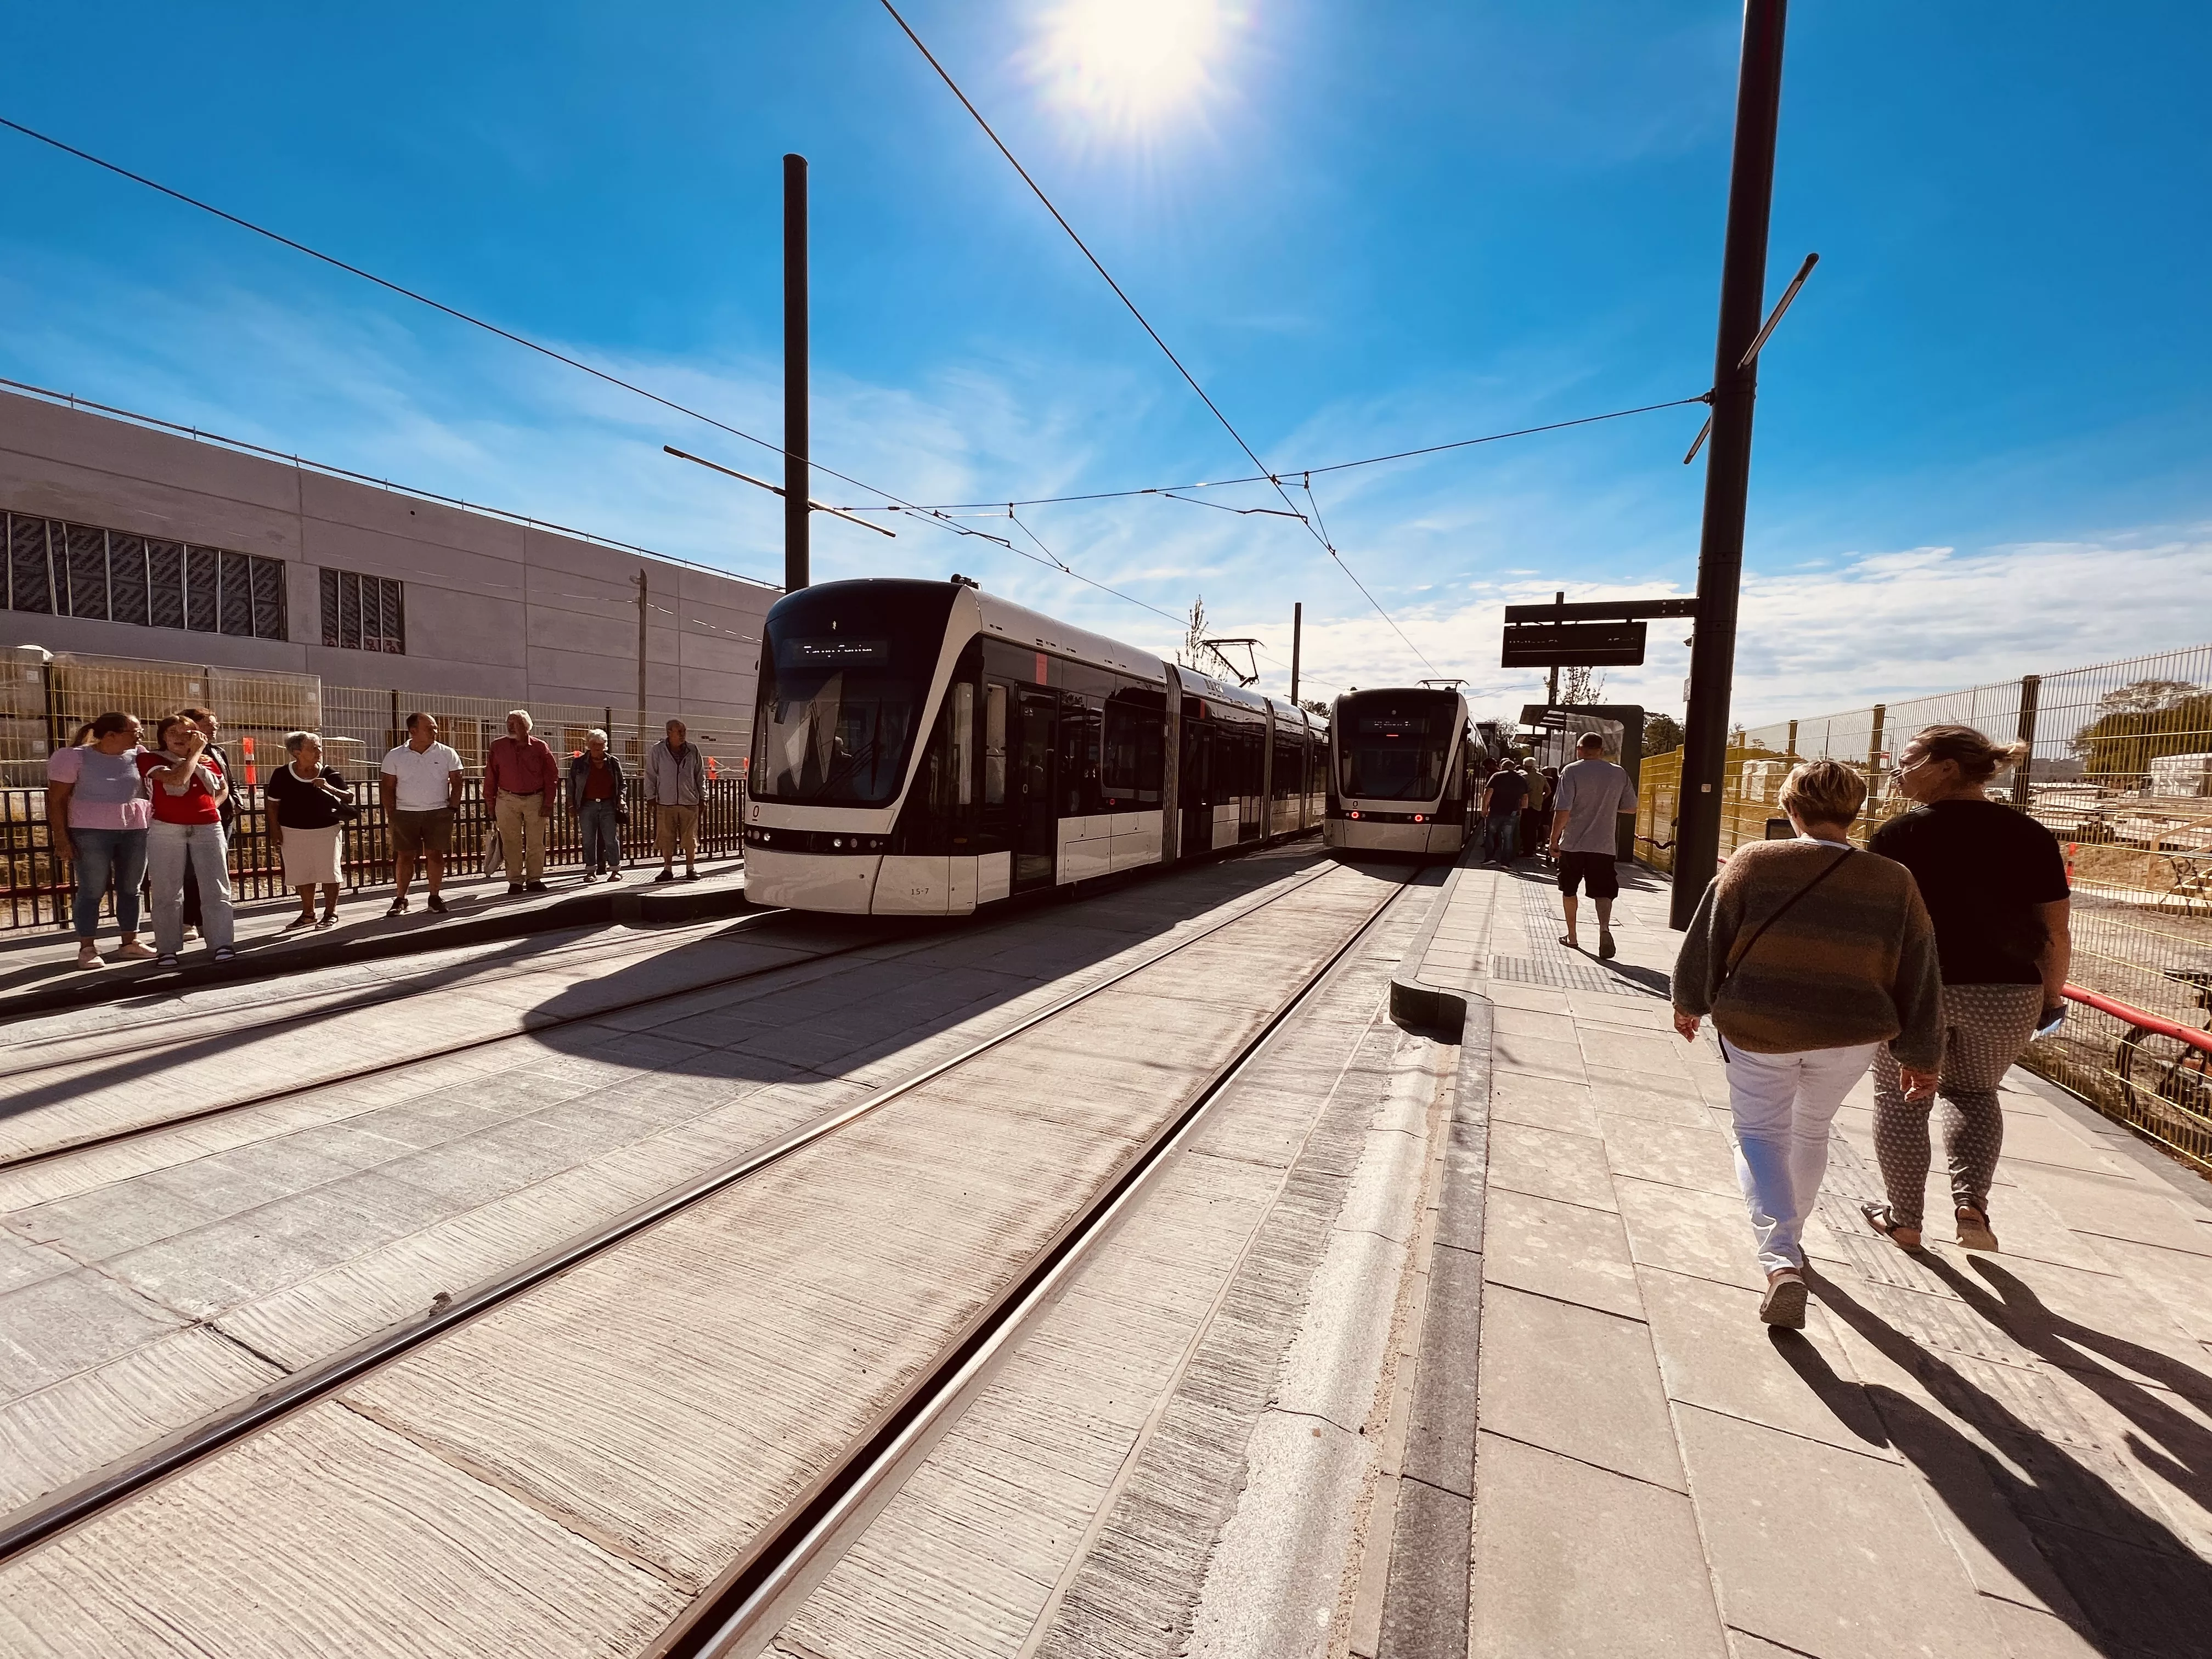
(1332, 466)
(422, 298)
(1142, 322)
(899, 504)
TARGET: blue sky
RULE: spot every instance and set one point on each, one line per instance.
(1981, 435)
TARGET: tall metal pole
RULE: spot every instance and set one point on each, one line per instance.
(1297, 633)
(1728, 457)
(2030, 693)
(641, 603)
(1552, 687)
(797, 554)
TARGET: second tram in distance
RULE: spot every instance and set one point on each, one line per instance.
(923, 748)
(1405, 772)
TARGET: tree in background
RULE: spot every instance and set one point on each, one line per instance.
(2139, 722)
(1661, 733)
(1579, 687)
(1194, 653)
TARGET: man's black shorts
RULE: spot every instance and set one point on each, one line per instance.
(1595, 868)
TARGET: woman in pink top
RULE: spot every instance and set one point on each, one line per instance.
(187, 787)
(96, 814)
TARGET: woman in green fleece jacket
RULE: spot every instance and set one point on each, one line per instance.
(1810, 955)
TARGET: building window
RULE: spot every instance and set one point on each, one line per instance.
(110, 575)
(363, 613)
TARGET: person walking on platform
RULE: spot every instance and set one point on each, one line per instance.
(1810, 956)
(522, 777)
(1501, 813)
(1532, 810)
(1995, 883)
(187, 784)
(96, 814)
(420, 785)
(1587, 804)
(676, 783)
(595, 799)
(308, 806)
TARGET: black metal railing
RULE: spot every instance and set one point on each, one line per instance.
(40, 887)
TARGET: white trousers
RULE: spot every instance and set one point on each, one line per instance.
(1783, 1106)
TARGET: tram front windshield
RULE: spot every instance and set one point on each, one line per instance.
(1393, 745)
(845, 669)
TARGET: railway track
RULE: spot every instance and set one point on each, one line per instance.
(742, 1598)
(274, 1009)
(25, 1154)
(82, 1143)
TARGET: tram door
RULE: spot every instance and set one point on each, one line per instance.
(1036, 821)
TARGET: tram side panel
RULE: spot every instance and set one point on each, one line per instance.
(1034, 771)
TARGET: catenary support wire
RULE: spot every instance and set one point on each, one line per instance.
(1119, 293)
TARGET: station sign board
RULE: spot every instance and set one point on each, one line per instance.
(1573, 645)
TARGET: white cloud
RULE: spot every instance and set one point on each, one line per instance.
(1445, 546)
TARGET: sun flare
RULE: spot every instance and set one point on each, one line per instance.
(1129, 62)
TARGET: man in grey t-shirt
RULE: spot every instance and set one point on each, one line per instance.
(1592, 794)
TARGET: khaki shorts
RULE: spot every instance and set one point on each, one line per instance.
(675, 825)
(422, 832)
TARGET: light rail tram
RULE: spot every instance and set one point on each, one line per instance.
(924, 748)
(1405, 771)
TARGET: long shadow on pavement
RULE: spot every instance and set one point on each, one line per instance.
(2139, 1585)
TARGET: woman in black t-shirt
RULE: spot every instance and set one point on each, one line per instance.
(1995, 883)
(308, 805)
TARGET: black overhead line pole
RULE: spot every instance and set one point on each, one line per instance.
(1727, 462)
(797, 551)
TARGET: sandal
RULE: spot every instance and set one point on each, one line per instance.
(1783, 1305)
(1974, 1233)
(305, 919)
(1901, 1234)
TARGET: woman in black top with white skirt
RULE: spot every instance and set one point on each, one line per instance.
(308, 805)
(1995, 883)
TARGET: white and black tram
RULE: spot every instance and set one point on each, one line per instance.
(923, 748)
(1405, 772)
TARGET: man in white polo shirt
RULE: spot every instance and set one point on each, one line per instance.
(420, 788)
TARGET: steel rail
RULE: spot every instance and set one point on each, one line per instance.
(47, 1154)
(85, 1498)
(741, 1613)
(155, 1032)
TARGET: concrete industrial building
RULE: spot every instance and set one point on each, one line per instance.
(128, 539)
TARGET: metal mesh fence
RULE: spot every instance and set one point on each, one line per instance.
(2120, 770)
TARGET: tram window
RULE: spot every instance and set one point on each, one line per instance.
(1079, 722)
(963, 742)
(995, 745)
(1134, 756)
(1289, 762)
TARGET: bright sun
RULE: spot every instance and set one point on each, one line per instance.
(1128, 62)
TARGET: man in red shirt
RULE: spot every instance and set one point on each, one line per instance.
(520, 776)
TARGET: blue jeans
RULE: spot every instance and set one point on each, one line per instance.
(602, 835)
(170, 847)
(1500, 830)
(101, 854)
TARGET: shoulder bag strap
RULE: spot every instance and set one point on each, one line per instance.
(1737, 956)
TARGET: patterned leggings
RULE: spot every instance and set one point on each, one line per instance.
(1985, 1028)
